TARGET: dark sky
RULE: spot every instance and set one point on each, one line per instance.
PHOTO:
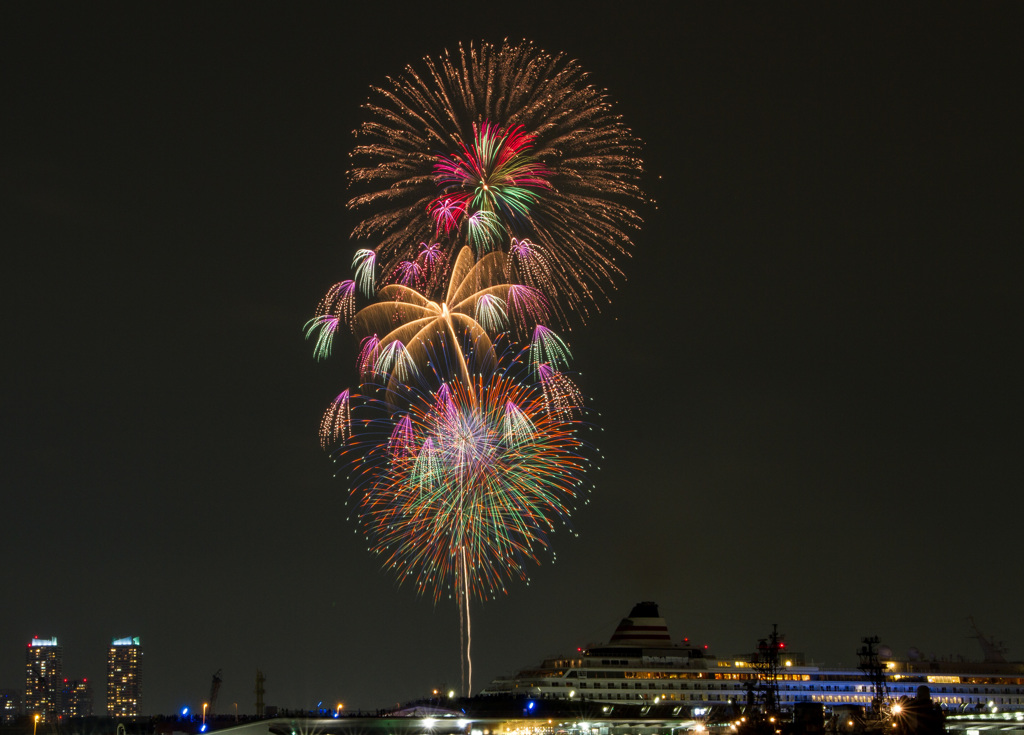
(809, 385)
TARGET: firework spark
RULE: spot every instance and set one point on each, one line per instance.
(336, 423)
(338, 306)
(548, 348)
(561, 396)
(364, 264)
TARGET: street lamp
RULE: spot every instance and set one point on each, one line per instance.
(35, 723)
(339, 709)
(205, 705)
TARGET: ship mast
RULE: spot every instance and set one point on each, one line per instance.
(875, 673)
(766, 662)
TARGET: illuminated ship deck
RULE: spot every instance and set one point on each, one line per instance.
(640, 665)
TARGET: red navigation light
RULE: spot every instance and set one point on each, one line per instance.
(705, 646)
(686, 640)
(781, 644)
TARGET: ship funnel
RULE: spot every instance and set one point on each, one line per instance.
(644, 628)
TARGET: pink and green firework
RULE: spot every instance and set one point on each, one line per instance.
(494, 180)
(337, 307)
(494, 144)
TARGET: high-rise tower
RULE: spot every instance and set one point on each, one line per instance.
(124, 660)
(44, 678)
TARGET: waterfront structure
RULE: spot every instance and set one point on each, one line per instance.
(76, 698)
(124, 663)
(641, 665)
(44, 675)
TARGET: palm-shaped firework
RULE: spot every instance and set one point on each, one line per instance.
(477, 304)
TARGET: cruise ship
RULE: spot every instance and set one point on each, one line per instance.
(642, 665)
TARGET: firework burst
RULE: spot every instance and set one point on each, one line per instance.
(491, 143)
(463, 489)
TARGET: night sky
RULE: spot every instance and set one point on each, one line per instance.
(809, 384)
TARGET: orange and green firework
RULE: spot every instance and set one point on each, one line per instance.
(484, 472)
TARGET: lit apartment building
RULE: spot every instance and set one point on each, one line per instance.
(124, 659)
(44, 678)
(76, 698)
